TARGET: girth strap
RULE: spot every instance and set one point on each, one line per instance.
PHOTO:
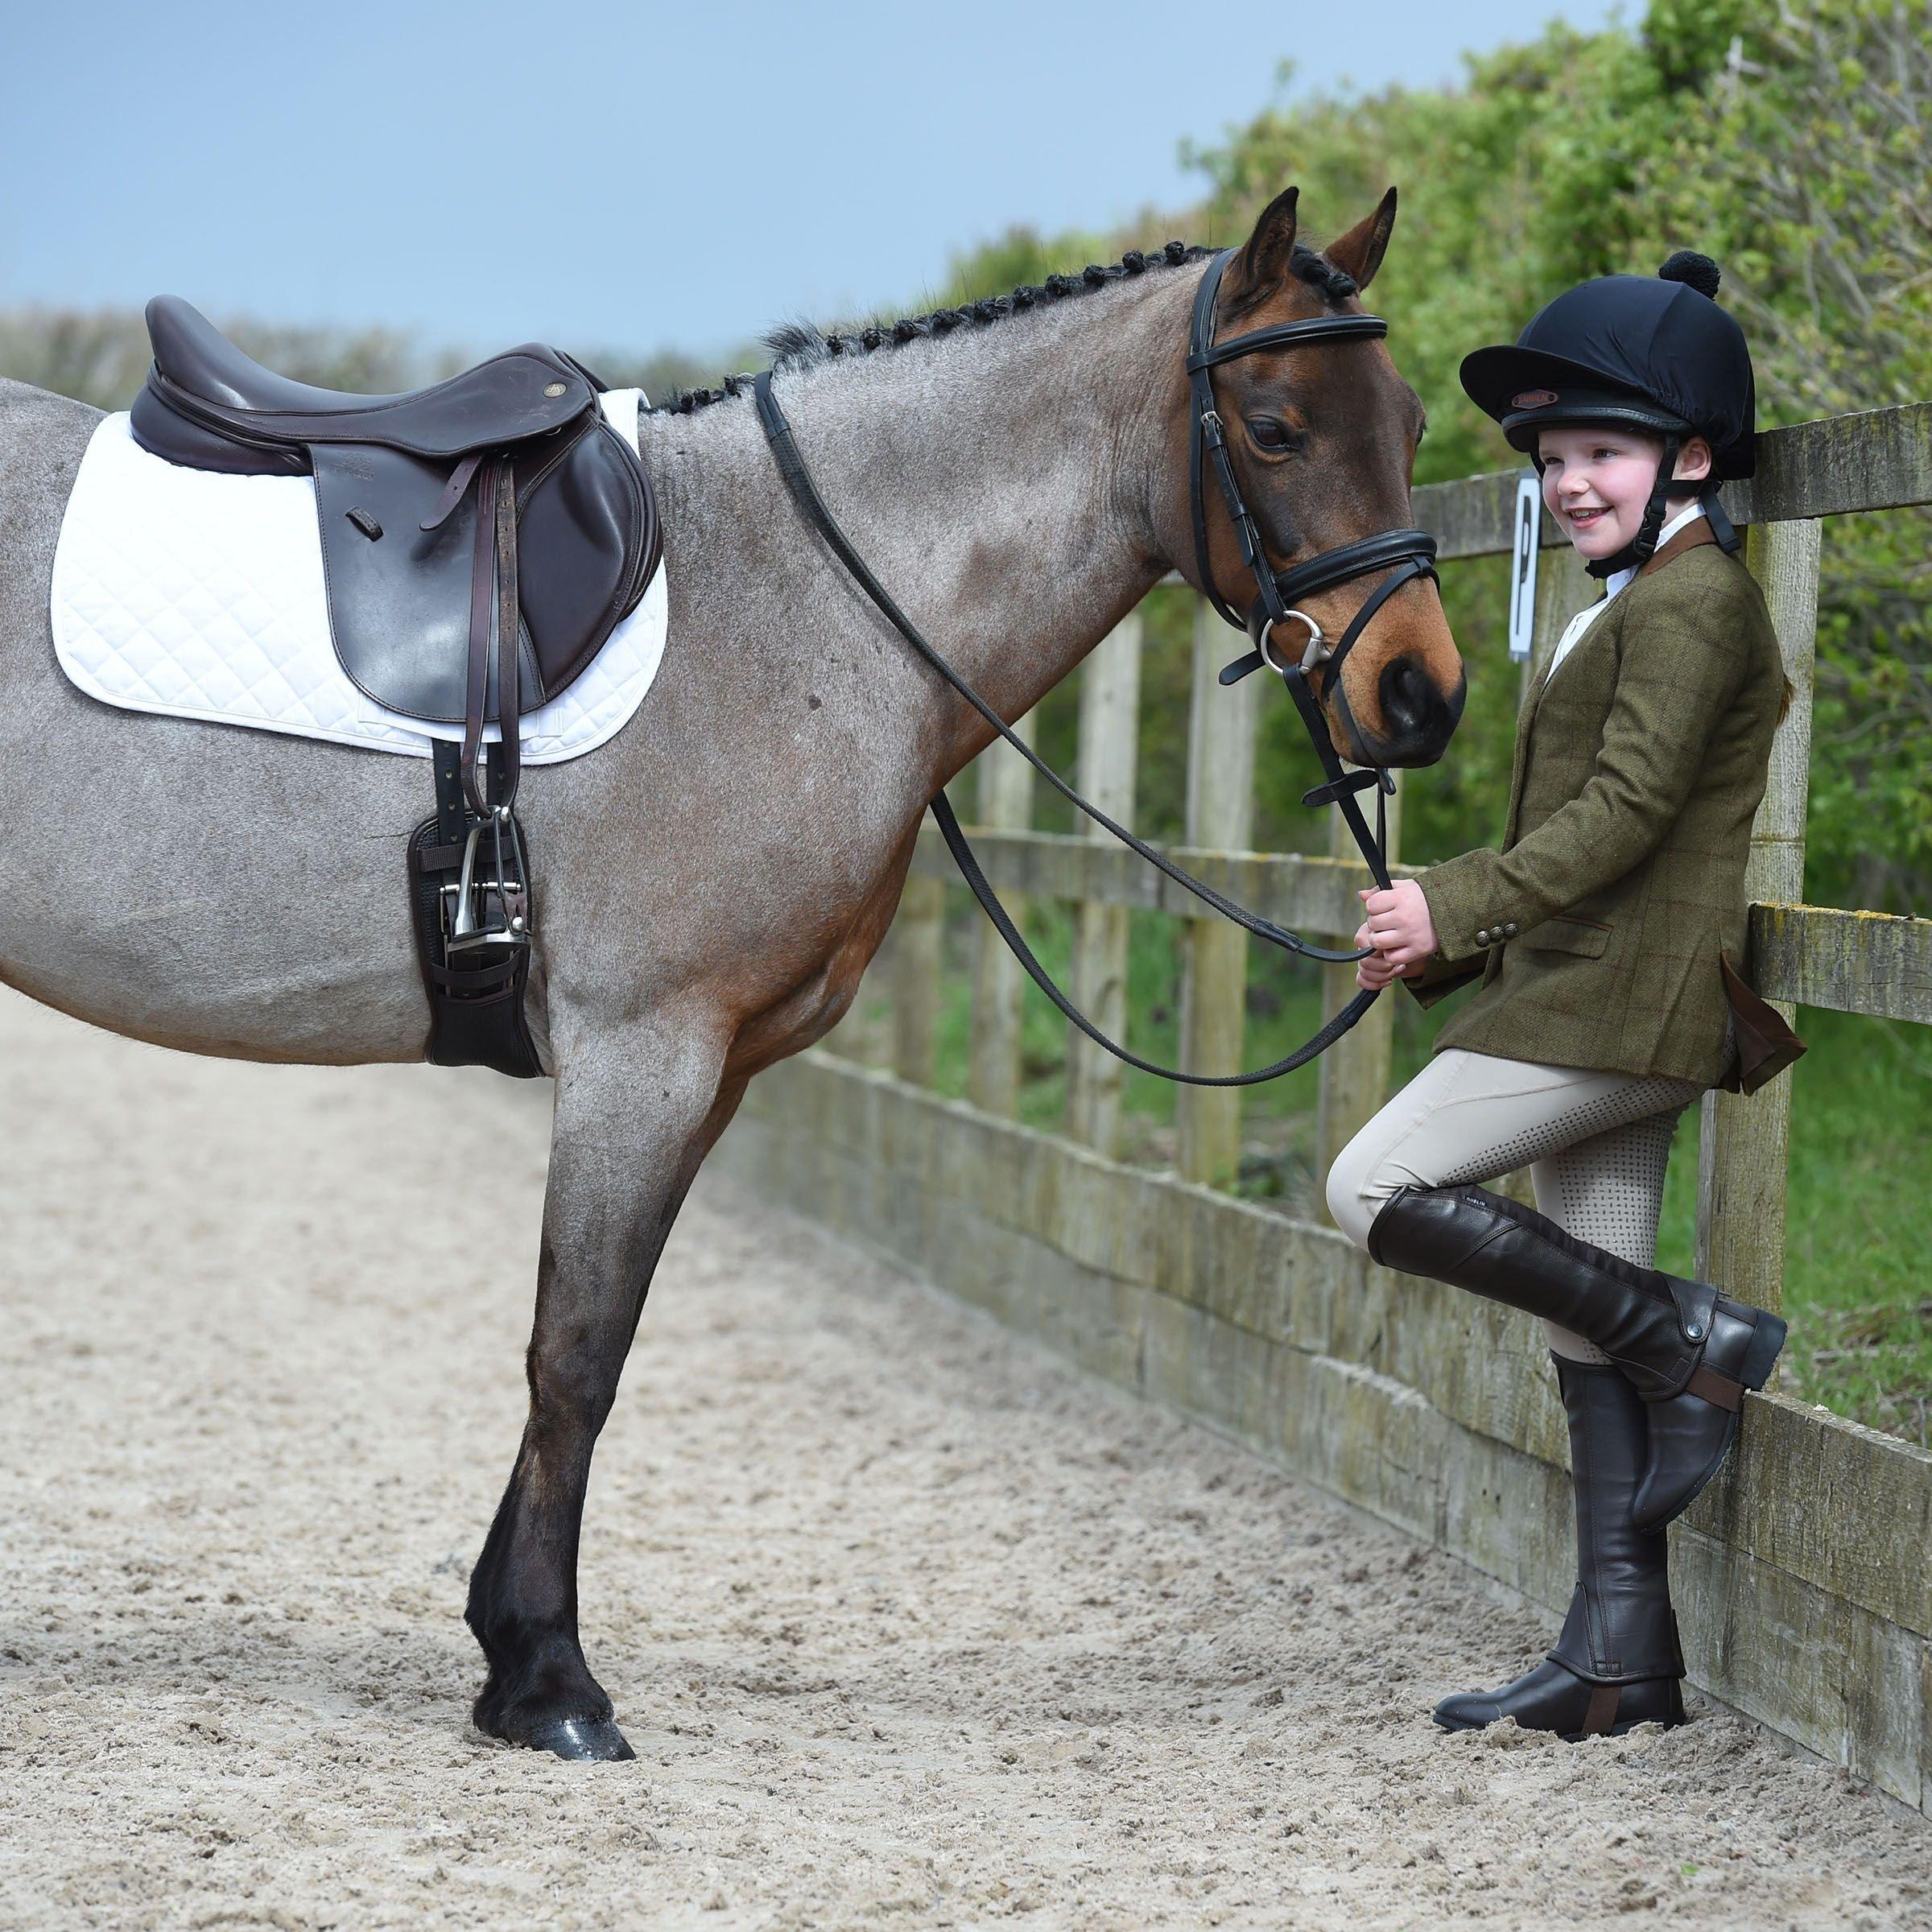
(477, 1016)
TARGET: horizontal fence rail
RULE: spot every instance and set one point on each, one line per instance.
(1872, 962)
(1809, 1586)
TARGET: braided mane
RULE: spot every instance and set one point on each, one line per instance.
(799, 345)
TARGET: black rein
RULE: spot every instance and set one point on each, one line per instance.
(1411, 551)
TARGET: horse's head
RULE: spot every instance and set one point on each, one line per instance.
(1321, 435)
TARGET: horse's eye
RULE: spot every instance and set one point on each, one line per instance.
(1268, 434)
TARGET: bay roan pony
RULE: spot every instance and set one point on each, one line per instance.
(716, 878)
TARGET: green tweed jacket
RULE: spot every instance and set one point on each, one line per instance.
(1596, 930)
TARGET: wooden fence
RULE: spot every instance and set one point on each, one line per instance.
(1418, 1403)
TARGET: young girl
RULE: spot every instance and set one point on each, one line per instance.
(1599, 933)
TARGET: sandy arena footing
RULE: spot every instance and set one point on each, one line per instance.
(909, 1624)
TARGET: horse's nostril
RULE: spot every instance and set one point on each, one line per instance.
(1417, 718)
(1409, 699)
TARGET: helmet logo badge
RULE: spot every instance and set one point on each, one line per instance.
(1533, 398)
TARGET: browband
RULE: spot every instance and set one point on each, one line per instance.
(1311, 328)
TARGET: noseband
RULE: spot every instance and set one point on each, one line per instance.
(1407, 553)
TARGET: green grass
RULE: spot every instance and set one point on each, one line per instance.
(1859, 1215)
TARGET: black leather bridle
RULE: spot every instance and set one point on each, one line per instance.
(1407, 554)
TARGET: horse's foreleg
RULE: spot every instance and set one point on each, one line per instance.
(631, 1127)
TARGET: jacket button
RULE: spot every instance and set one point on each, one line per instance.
(1482, 939)
(1509, 931)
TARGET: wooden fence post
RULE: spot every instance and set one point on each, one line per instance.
(1004, 804)
(918, 933)
(1744, 1143)
(1110, 709)
(1355, 1070)
(1214, 984)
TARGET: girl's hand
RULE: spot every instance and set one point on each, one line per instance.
(1398, 927)
(1375, 972)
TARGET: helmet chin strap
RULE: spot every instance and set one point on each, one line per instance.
(1728, 540)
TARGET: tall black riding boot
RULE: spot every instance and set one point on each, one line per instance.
(1691, 1351)
(1617, 1661)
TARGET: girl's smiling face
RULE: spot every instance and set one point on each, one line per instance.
(1597, 481)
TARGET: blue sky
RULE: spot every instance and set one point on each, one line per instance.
(604, 175)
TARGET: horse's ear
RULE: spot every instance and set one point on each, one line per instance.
(1263, 262)
(1360, 252)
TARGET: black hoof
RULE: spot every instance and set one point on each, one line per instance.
(583, 1740)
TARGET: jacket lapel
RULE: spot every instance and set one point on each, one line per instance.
(1694, 533)
(1543, 682)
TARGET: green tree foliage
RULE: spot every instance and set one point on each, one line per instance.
(1804, 165)
(1789, 143)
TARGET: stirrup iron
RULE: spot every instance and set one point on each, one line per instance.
(492, 911)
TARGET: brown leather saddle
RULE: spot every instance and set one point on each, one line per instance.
(480, 540)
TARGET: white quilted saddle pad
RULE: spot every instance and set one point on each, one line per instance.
(200, 596)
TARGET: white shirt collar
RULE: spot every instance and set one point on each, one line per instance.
(1618, 579)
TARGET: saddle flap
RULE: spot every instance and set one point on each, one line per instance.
(399, 600)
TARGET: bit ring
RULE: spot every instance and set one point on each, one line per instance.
(1316, 651)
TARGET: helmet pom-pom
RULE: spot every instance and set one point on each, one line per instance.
(1694, 271)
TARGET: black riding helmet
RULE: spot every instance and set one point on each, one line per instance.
(1655, 354)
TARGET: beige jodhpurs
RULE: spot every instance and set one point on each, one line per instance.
(1596, 1146)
